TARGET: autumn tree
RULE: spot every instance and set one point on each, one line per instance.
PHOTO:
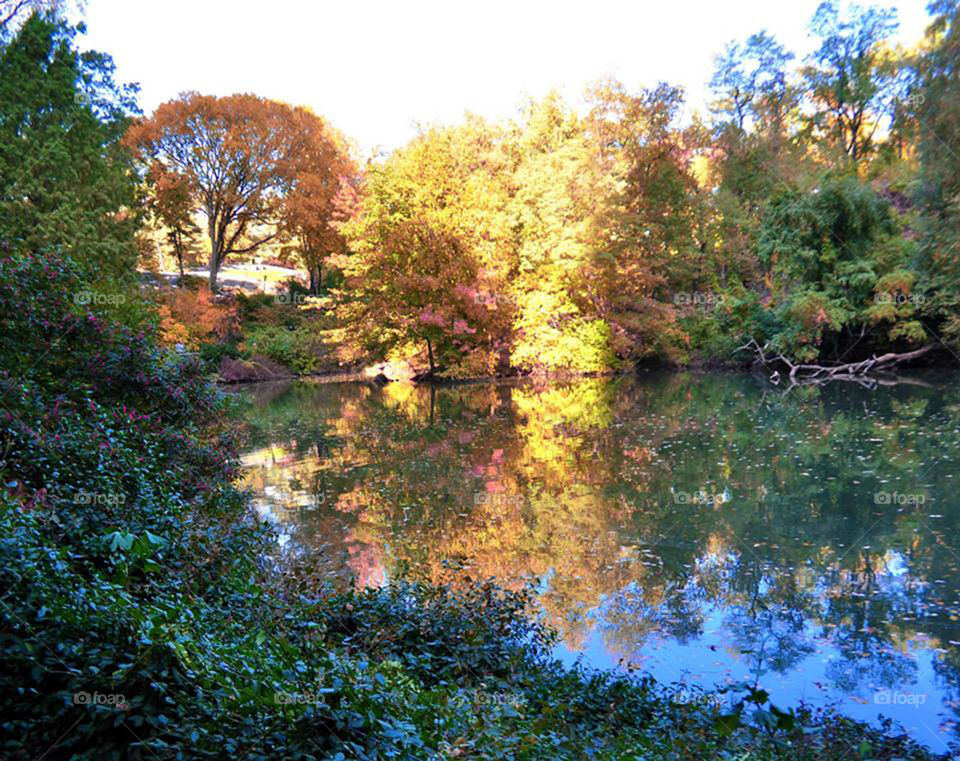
(749, 83)
(238, 156)
(416, 286)
(659, 235)
(559, 191)
(324, 178)
(171, 204)
(430, 252)
(754, 152)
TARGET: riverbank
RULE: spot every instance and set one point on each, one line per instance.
(144, 615)
(247, 338)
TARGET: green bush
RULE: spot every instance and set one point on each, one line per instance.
(301, 349)
(212, 354)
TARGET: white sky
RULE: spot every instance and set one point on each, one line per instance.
(377, 69)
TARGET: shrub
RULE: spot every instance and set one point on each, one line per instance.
(191, 317)
(300, 349)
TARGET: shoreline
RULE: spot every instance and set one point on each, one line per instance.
(887, 378)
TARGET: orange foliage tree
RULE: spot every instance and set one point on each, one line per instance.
(325, 178)
(241, 156)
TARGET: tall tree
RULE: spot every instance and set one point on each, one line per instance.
(14, 12)
(936, 107)
(65, 179)
(171, 204)
(432, 234)
(846, 79)
(749, 83)
(559, 191)
(238, 154)
(323, 174)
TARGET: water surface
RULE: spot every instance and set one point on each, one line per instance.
(705, 528)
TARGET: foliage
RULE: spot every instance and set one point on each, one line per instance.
(420, 271)
(64, 177)
(192, 316)
(239, 157)
(172, 209)
(935, 105)
(833, 254)
(301, 349)
(847, 81)
(322, 195)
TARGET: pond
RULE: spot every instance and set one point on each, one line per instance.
(706, 528)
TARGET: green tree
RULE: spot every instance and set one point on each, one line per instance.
(839, 267)
(65, 179)
(936, 104)
(171, 205)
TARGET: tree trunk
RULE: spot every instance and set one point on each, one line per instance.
(178, 250)
(216, 244)
(810, 373)
(430, 356)
(214, 269)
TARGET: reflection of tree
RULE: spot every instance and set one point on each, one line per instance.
(767, 625)
(864, 612)
(577, 484)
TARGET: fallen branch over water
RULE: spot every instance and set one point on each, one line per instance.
(811, 373)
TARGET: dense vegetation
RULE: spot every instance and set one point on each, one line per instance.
(811, 210)
(143, 613)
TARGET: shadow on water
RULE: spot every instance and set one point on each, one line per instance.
(702, 527)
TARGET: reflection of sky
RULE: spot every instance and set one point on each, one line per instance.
(775, 545)
(264, 508)
(712, 660)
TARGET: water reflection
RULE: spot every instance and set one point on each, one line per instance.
(703, 527)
